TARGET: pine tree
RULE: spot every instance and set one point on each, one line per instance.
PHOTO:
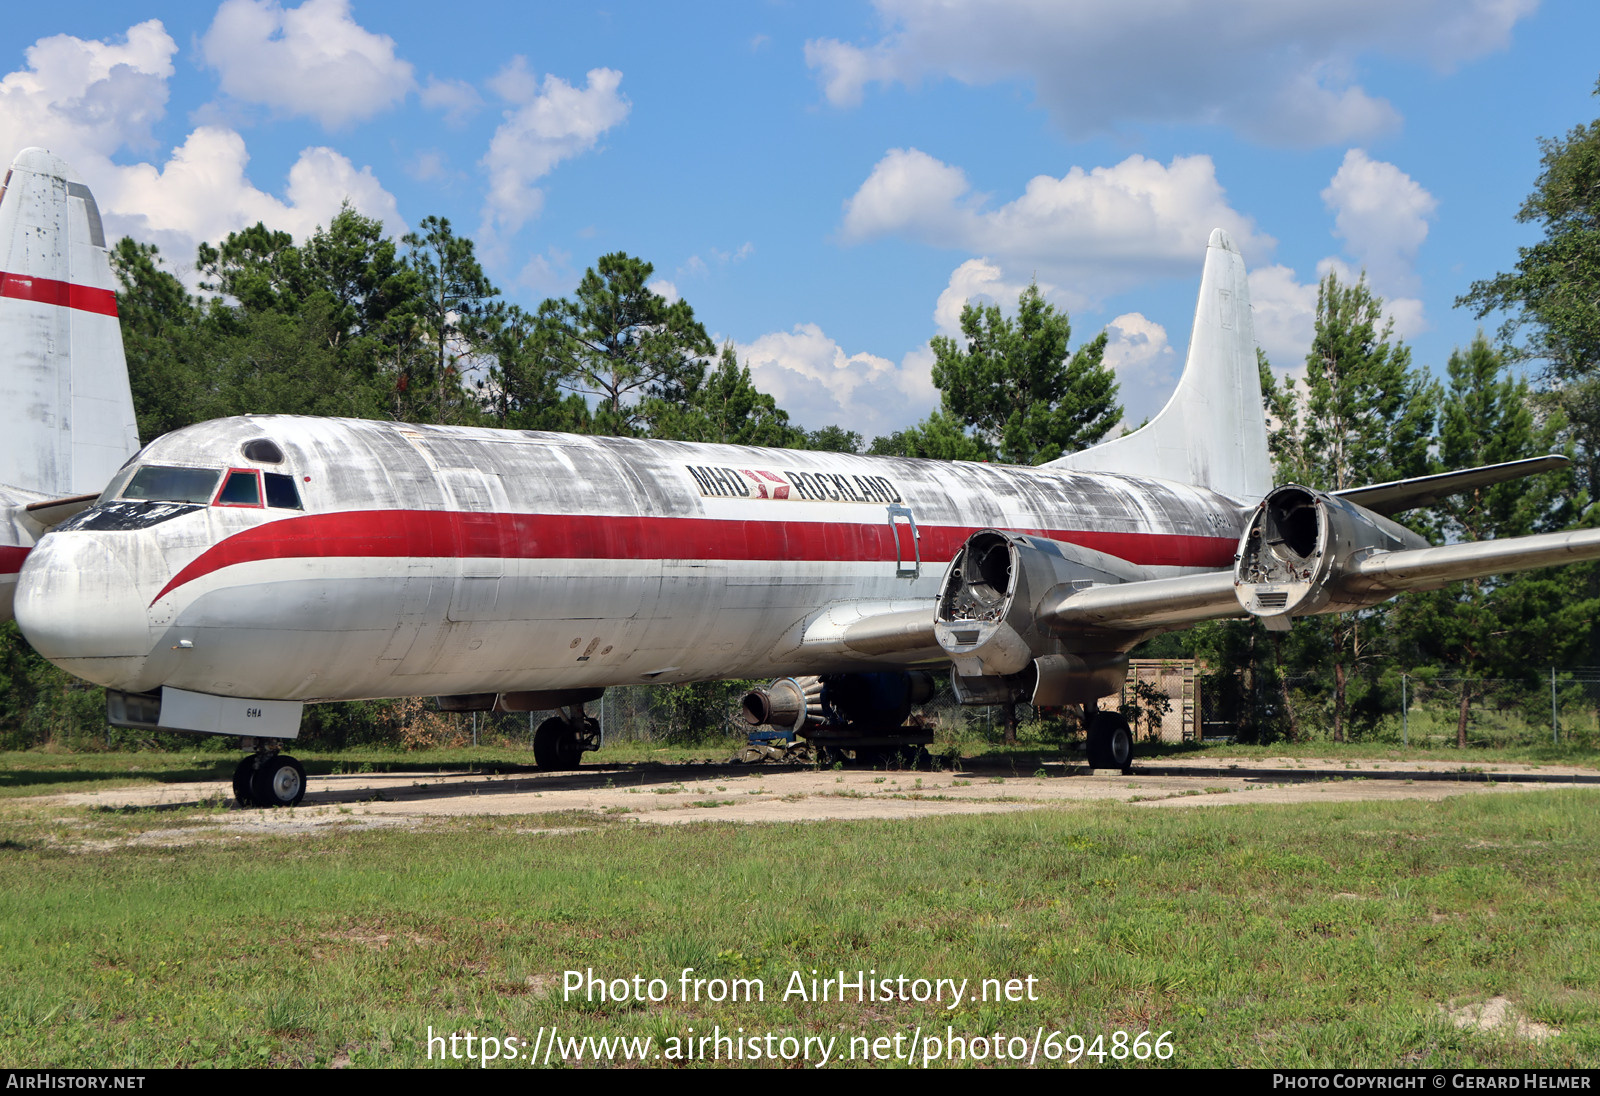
(1015, 387)
(621, 342)
(1497, 627)
(1365, 417)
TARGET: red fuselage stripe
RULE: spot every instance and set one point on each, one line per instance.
(433, 534)
(11, 559)
(47, 291)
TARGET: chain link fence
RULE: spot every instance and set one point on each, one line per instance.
(1431, 707)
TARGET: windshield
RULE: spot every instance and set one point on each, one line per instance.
(159, 483)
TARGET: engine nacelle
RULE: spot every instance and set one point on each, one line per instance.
(987, 620)
(1299, 553)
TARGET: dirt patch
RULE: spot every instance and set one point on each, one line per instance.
(1498, 1015)
(669, 796)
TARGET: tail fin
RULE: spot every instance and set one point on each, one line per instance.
(1213, 431)
(66, 413)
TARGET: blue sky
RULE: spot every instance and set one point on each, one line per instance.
(826, 182)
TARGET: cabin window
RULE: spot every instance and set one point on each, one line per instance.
(281, 492)
(264, 450)
(242, 488)
(164, 483)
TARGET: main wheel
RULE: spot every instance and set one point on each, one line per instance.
(1110, 742)
(555, 746)
(241, 782)
(279, 782)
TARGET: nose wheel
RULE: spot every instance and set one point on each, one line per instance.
(269, 780)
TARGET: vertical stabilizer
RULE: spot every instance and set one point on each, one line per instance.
(1213, 431)
(66, 414)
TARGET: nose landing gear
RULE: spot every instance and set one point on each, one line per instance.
(268, 778)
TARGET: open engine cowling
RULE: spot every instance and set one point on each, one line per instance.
(987, 620)
(1298, 555)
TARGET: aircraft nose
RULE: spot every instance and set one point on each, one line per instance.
(78, 604)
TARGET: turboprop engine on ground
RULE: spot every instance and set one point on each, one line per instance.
(989, 620)
(1301, 555)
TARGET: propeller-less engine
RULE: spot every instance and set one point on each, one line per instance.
(1302, 555)
(990, 620)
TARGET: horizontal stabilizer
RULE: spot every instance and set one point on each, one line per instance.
(52, 512)
(1408, 494)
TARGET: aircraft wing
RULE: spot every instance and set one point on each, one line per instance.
(1430, 568)
(1136, 606)
(1408, 494)
(1173, 602)
(867, 628)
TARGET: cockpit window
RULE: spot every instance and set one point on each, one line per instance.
(264, 450)
(242, 489)
(281, 492)
(163, 483)
(118, 482)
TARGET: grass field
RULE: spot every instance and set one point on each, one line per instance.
(1315, 935)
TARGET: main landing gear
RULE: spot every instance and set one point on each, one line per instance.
(1110, 741)
(268, 778)
(561, 741)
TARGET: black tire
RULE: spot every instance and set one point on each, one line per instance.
(279, 782)
(241, 782)
(555, 747)
(1110, 742)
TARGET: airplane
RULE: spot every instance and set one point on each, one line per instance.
(66, 413)
(238, 569)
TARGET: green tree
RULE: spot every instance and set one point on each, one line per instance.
(1553, 294)
(832, 439)
(1015, 387)
(939, 437)
(432, 358)
(622, 343)
(723, 405)
(1497, 627)
(523, 389)
(161, 340)
(1365, 416)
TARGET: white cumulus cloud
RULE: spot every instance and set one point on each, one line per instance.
(1283, 312)
(1091, 233)
(1278, 72)
(818, 383)
(550, 121)
(313, 60)
(457, 100)
(979, 282)
(1139, 354)
(85, 100)
(1382, 215)
(203, 192)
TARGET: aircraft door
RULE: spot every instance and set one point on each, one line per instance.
(907, 541)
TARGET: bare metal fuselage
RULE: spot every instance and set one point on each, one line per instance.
(439, 560)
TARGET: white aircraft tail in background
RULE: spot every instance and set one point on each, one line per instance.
(1213, 431)
(66, 413)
